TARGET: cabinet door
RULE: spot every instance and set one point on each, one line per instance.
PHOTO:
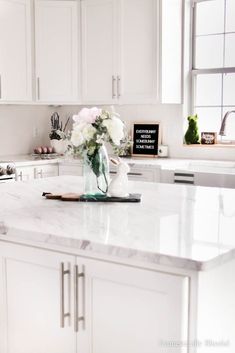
(24, 173)
(56, 50)
(46, 171)
(15, 49)
(131, 310)
(30, 301)
(138, 48)
(99, 51)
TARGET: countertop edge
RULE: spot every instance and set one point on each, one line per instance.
(149, 258)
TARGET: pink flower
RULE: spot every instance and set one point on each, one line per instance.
(87, 115)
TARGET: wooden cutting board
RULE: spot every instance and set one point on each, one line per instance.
(98, 198)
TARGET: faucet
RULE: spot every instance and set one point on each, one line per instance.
(223, 124)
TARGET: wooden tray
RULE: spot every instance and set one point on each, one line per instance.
(85, 198)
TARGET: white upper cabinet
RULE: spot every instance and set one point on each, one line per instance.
(15, 51)
(99, 51)
(56, 35)
(171, 51)
(119, 46)
(138, 48)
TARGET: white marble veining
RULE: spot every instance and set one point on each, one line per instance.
(174, 225)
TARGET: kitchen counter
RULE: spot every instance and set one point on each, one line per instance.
(28, 160)
(177, 164)
(174, 225)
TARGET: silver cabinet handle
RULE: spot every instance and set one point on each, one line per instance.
(133, 173)
(118, 86)
(113, 87)
(20, 176)
(63, 273)
(39, 174)
(0, 87)
(77, 318)
(183, 178)
(38, 88)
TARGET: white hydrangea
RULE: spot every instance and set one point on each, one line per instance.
(77, 138)
(81, 133)
(88, 132)
(115, 129)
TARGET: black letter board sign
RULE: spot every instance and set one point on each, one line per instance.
(145, 139)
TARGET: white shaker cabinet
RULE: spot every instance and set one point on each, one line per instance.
(15, 49)
(59, 303)
(56, 39)
(24, 173)
(172, 18)
(130, 310)
(46, 171)
(119, 51)
(99, 51)
(137, 71)
(27, 173)
(30, 308)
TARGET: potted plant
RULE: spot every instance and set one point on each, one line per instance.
(58, 136)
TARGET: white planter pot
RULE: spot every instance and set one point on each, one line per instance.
(59, 146)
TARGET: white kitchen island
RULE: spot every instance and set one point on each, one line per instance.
(152, 277)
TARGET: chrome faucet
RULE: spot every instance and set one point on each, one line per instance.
(223, 124)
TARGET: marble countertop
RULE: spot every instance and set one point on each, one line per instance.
(27, 160)
(174, 225)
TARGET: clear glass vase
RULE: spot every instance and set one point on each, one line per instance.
(96, 173)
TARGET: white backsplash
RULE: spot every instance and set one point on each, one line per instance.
(18, 125)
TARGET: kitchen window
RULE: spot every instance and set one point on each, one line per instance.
(213, 73)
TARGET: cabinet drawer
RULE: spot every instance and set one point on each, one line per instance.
(141, 174)
(71, 169)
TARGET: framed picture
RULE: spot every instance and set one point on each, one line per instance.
(146, 138)
(208, 138)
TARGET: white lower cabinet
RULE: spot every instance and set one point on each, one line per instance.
(132, 310)
(198, 178)
(36, 172)
(45, 171)
(30, 301)
(142, 173)
(106, 307)
(24, 173)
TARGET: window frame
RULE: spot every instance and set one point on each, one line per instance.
(195, 72)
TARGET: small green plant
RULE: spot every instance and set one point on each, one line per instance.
(192, 134)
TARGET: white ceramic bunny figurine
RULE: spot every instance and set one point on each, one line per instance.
(119, 184)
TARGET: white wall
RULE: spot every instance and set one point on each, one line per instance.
(18, 123)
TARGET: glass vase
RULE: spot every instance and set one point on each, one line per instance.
(96, 173)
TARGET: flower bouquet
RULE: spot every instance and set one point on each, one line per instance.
(91, 129)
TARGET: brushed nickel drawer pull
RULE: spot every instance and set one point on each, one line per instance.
(118, 86)
(38, 87)
(134, 174)
(113, 87)
(63, 315)
(78, 318)
(131, 173)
